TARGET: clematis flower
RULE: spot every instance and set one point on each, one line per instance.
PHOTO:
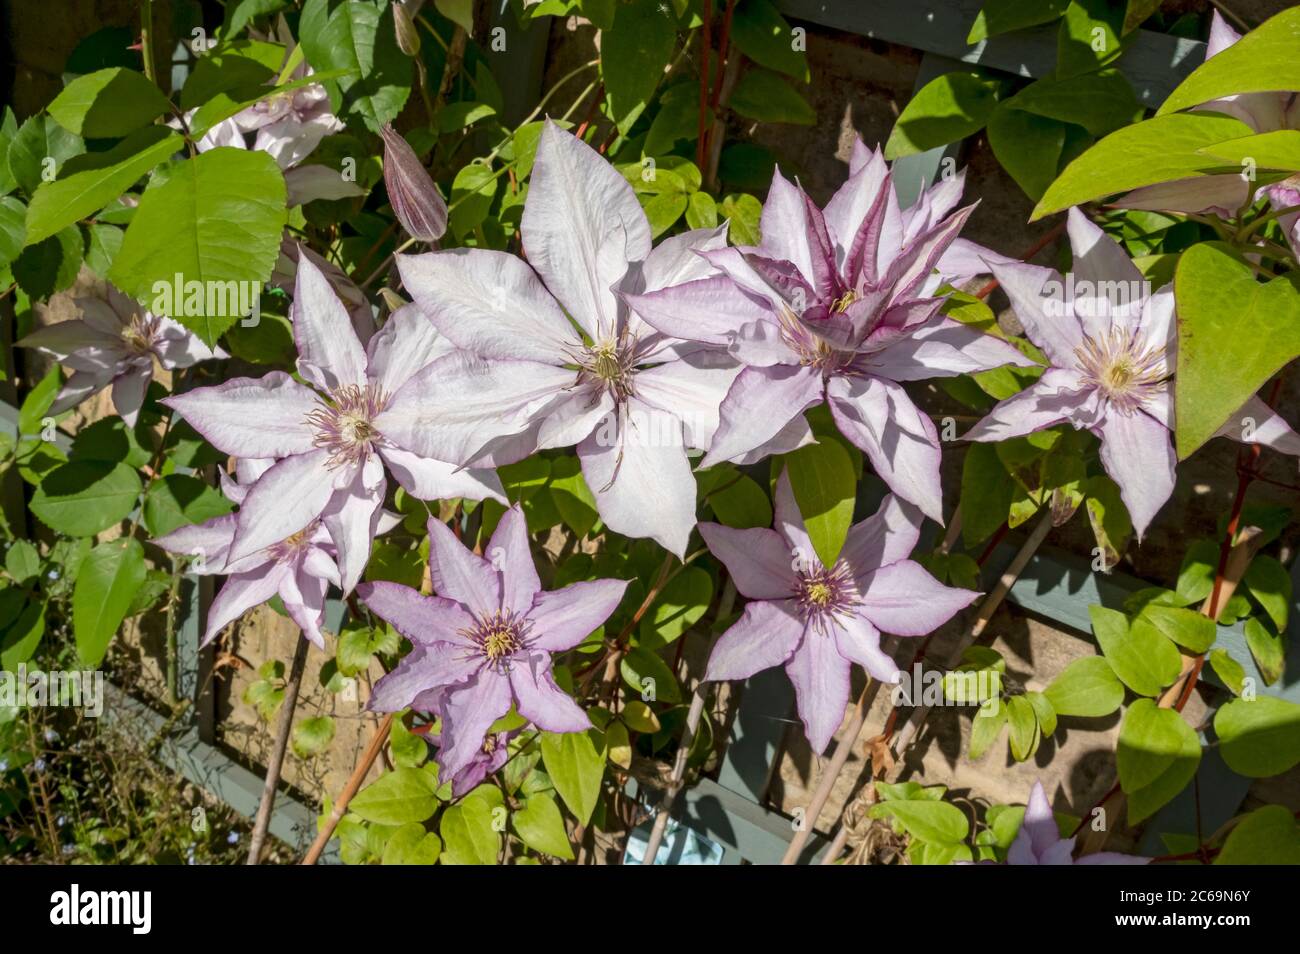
(330, 452)
(816, 620)
(1111, 349)
(491, 755)
(1039, 841)
(555, 356)
(115, 343)
(1223, 195)
(837, 305)
(485, 641)
(299, 569)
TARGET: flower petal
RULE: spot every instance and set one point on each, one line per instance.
(858, 641)
(706, 309)
(766, 635)
(899, 441)
(821, 687)
(692, 388)
(241, 593)
(427, 479)
(468, 711)
(284, 500)
(785, 227)
(427, 667)
(581, 227)
(407, 343)
(540, 700)
(887, 536)
(565, 617)
(489, 303)
(303, 597)
(329, 353)
(510, 556)
(461, 575)
(1051, 399)
(759, 404)
(424, 620)
(760, 563)
(638, 469)
(1257, 423)
(252, 417)
(905, 600)
(943, 347)
(1137, 452)
(210, 541)
(352, 518)
(1038, 299)
(128, 392)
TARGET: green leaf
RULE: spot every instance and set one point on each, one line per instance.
(742, 212)
(22, 562)
(633, 54)
(1267, 836)
(1089, 36)
(740, 502)
(84, 497)
(1186, 627)
(677, 119)
(701, 211)
(1267, 648)
(825, 488)
(763, 35)
(1270, 585)
(412, 845)
(680, 605)
(1099, 102)
(948, 108)
(1146, 153)
(649, 676)
(663, 211)
(107, 581)
(312, 736)
(985, 729)
(460, 12)
(108, 104)
(986, 493)
(640, 717)
(216, 218)
(926, 819)
(1004, 16)
(396, 798)
(50, 266)
(575, 761)
(1233, 335)
(231, 65)
(1025, 734)
(1228, 670)
(359, 38)
(472, 192)
(541, 827)
(179, 500)
(1143, 659)
(1087, 687)
(38, 151)
(103, 242)
(239, 13)
(1278, 149)
(1157, 756)
(20, 637)
(1263, 60)
(13, 229)
(1259, 737)
(409, 750)
(1028, 147)
(767, 97)
(469, 835)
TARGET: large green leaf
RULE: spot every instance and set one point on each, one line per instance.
(359, 38)
(412, 845)
(633, 54)
(768, 97)
(948, 108)
(1028, 146)
(1157, 150)
(84, 497)
(1144, 660)
(229, 66)
(86, 190)
(541, 826)
(38, 151)
(1261, 61)
(1003, 16)
(1278, 149)
(926, 819)
(13, 229)
(107, 582)
(401, 796)
(51, 265)
(216, 218)
(469, 832)
(1267, 836)
(575, 761)
(1099, 102)
(1157, 756)
(1259, 737)
(108, 103)
(765, 36)
(825, 487)
(1234, 333)
(1086, 687)
(179, 500)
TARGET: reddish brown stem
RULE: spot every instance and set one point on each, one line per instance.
(706, 49)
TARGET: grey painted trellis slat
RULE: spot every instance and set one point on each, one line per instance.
(1154, 63)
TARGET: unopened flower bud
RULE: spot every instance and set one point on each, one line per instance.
(415, 198)
(408, 38)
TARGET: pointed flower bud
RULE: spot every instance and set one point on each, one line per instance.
(408, 38)
(415, 198)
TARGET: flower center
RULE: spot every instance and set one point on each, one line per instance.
(140, 334)
(500, 636)
(295, 543)
(824, 594)
(1122, 367)
(813, 350)
(611, 366)
(841, 304)
(344, 425)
